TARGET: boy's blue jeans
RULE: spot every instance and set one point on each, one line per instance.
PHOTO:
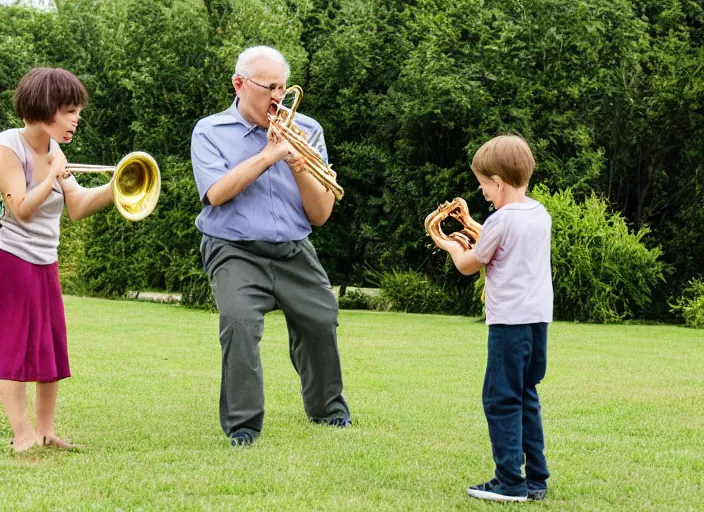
(516, 363)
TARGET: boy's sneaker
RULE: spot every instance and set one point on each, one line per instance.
(537, 494)
(490, 491)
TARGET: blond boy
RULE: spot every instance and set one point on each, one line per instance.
(515, 249)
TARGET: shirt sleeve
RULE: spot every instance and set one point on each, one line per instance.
(317, 140)
(11, 139)
(13, 144)
(209, 165)
(490, 239)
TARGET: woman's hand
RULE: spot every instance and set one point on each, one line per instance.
(58, 164)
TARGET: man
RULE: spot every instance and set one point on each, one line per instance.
(256, 218)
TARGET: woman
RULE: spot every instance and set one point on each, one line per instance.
(35, 187)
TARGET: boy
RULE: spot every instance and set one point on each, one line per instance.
(515, 249)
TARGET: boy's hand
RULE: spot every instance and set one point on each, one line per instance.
(447, 245)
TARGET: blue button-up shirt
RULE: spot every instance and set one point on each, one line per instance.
(270, 208)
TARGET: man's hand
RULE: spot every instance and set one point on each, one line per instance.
(281, 149)
(277, 149)
(295, 161)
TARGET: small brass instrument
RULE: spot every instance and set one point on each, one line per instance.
(281, 126)
(136, 185)
(457, 209)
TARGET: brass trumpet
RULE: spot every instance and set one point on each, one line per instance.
(457, 209)
(281, 126)
(136, 185)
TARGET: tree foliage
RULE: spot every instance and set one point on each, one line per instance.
(609, 93)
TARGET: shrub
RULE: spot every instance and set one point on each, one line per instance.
(196, 291)
(690, 305)
(411, 292)
(355, 299)
(602, 272)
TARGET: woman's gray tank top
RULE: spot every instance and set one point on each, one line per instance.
(37, 240)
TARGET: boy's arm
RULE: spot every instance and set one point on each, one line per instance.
(465, 260)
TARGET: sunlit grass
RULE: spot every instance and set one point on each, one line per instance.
(622, 407)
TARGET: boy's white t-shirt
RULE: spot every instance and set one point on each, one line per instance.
(515, 247)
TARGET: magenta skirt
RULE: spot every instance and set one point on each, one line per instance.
(32, 322)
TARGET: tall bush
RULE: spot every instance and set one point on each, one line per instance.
(602, 271)
(690, 305)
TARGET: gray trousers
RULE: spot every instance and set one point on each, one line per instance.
(249, 279)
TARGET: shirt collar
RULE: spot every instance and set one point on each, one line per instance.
(232, 116)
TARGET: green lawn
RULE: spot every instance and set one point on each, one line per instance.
(623, 409)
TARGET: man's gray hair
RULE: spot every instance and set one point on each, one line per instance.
(243, 67)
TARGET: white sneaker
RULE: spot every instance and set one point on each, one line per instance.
(488, 491)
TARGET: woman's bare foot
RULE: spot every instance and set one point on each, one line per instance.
(54, 441)
(20, 445)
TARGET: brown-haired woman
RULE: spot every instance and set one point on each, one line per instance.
(35, 187)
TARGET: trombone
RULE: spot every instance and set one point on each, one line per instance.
(136, 184)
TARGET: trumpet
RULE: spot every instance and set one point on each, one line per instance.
(136, 184)
(281, 126)
(457, 209)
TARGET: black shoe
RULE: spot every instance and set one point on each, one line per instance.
(490, 491)
(341, 422)
(241, 438)
(537, 494)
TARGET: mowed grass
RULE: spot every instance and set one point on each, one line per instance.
(622, 406)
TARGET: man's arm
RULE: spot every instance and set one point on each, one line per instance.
(317, 200)
(205, 157)
(238, 178)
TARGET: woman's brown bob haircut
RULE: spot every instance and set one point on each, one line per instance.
(43, 91)
(508, 157)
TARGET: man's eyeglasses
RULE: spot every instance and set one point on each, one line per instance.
(271, 88)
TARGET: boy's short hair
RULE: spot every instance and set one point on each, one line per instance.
(43, 91)
(508, 157)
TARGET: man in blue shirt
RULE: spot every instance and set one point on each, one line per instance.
(256, 218)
